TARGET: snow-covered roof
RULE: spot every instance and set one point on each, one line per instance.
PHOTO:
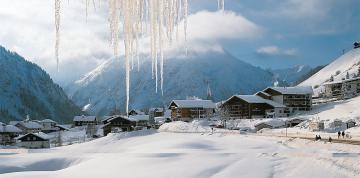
(299, 90)
(264, 93)
(258, 99)
(85, 118)
(14, 122)
(39, 134)
(65, 127)
(137, 111)
(30, 125)
(341, 81)
(48, 120)
(9, 129)
(139, 118)
(208, 104)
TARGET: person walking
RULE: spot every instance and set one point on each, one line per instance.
(339, 135)
(330, 139)
(343, 134)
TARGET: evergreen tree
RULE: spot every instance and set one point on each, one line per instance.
(331, 78)
(347, 75)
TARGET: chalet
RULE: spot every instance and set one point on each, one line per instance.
(187, 110)
(49, 126)
(251, 106)
(270, 124)
(8, 133)
(140, 120)
(34, 140)
(117, 123)
(85, 120)
(342, 89)
(294, 98)
(350, 123)
(135, 112)
(27, 126)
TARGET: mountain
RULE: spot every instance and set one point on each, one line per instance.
(184, 76)
(26, 89)
(289, 76)
(339, 68)
(309, 74)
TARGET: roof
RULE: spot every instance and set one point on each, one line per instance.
(39, 134)
(14, 122)
(65, 127)
(139, 118)
(264, 93)
(30, 125)
(85, 118)
(48, 120)
(341, 81)
(137, 111)
(208, 104)
(258, 99)
(9, 129)
(299, 90)
(109, 119)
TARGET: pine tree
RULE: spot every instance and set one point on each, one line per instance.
(331, 78)
(347, 75)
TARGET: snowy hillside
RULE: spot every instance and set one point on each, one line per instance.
(184, 76)
(290, 76)
(347, 63)
(27, 89)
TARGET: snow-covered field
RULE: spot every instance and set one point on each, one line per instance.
(165, 154)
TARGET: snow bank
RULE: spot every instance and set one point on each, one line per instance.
(195, 126)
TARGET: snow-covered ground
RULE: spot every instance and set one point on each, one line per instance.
(165, 154)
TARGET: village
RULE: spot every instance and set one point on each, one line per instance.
(271, 108)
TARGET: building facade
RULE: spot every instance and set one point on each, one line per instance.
(187, 110)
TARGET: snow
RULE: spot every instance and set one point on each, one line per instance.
(183, 155)
(48, 120)
(194, 104)
(349, 62)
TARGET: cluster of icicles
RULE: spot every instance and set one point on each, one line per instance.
(159, 19)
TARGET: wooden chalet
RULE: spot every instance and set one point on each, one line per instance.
(250, 106)
(34, 140)
(8, 133)
(117, 123)
(85, 120)
(294, 98)
(28, 126)
(187, 110)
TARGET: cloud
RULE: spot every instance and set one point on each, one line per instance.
(28, 28)
(276, 51)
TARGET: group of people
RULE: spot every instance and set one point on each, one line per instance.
(317, 137)
(341, 134)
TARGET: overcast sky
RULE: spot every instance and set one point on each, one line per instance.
(266, 33)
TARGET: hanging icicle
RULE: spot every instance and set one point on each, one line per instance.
(161, 18)
(57, 31)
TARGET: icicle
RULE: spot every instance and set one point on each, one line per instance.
(57, 31)
(87, 8)
(161, 16)
(185, 24)
(221, 5)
